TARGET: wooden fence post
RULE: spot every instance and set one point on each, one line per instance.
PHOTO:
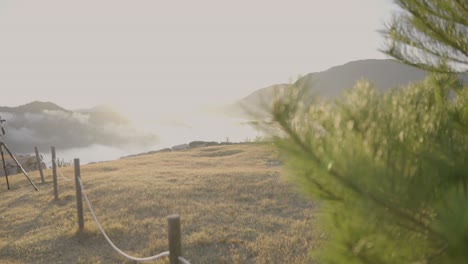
(54, 173)
(79, 198)
(39, 164)
(175, 244)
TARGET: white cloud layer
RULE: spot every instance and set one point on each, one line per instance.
(68, 130)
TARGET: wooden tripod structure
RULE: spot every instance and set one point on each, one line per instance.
(4, 146)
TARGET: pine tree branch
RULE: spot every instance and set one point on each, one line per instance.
(419, 65)
(396, 51)
(462, 6)
(427, 47)
(322, 188)
(437, 254)
(433, 11)
(438, 32)
(346, 182)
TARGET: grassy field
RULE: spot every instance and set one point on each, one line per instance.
(234, 207)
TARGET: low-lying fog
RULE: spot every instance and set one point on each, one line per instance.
(80, 135)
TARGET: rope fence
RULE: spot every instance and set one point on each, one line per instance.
(174, 235)
(183, 261)
(61, 173)
(155, 257)
(175, 251)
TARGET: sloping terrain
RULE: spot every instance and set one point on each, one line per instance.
(234, 207)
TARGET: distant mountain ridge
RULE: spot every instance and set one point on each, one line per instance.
(384, 74)
(33, 107)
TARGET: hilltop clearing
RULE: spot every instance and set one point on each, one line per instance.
(234, 206)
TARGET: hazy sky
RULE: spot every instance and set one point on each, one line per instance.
(146, 55)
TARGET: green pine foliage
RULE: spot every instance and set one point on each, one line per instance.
(428, 33)
(390, 169)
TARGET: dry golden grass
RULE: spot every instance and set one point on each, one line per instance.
(234, 209)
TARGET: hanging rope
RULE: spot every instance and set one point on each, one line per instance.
(155, 257)
(60, 171)
(184, 261)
